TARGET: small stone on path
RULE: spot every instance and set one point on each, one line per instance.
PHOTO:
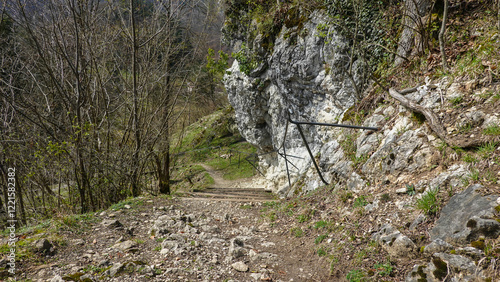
(240, 266)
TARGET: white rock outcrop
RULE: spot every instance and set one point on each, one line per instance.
(307, 75)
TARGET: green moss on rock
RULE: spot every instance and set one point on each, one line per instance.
(479, 244)
(441, 268)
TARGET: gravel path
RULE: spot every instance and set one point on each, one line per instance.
(183, 239)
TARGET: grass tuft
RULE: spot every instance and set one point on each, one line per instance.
(429, 202)
(493, 129)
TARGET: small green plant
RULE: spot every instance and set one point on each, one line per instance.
(303, 218)
(450, 190)
(355, 275)
(348, 145)
(297, 232)
(487, 149)
(474, 174)
(469, 158)
(465, 128)
(429, 202)
(320, 239)
(345, 196)
(456, 100)
(322, 30)
(321, 224)
(245, 207)
(384, 269)
(272, 204)
(491, 176)
(410, 189)
(488, 248)
(322, 252)
(385, 198)
(360, 202)
(360, 256)
(442, 148)
(272, 216)
(128, 202)
(495, 98)
(465, 181)
(493, 129)
(333, 264)
(246, 58)
(157, 249)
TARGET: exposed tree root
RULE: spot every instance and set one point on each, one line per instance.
(461, 141)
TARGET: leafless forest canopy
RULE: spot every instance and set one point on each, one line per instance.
(92, 92)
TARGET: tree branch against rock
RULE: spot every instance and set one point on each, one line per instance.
(459, 141)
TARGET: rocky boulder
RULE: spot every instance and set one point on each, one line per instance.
(394, 242)
(467, 216)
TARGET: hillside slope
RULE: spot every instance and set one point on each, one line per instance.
(425, 185)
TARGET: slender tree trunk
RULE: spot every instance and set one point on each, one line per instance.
(136, 127)
(164, 173)
(19, 197)
(442, 31)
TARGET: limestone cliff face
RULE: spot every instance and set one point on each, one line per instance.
(306, 73)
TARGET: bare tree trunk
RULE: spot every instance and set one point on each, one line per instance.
(19, 197)
(441, 37)
(136, 127)
(414, 10)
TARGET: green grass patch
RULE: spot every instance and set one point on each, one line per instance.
(322, 252)
(493, 129)
(321, 224)
(474, 174)
(469, 158)
(486, 150)
(491, 176)
(384, 269)
(132, 202)
(303, 218)
(429, 202)
(320, 239)
(355, 275)
(297, 232)
(213, 141)
(237, 166)
(79, 222)
(360, 202)
(455, 101)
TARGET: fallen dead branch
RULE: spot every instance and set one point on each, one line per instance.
(461, 141)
